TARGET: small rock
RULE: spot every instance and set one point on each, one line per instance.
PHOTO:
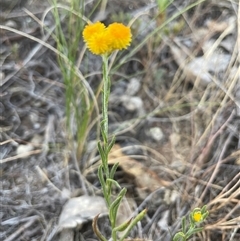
(133, 87)
(2, 76)
(202, 67)
(11, 24)
(178, 165)
(66, 194)
(156, 133)
(133, 103)
(24, 148)
(175, 139)
(163, 223)
(36, 126)
(81, 209)
(33, 117)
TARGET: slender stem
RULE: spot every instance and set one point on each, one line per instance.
(105, 99)
(106, 92)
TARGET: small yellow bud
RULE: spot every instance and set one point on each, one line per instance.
(197, 216)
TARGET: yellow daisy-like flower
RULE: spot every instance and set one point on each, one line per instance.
(99, 44)
(197, 216)
(121, 36)
(92, 29)
(101, 40)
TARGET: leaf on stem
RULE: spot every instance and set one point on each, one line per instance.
(105, 138)
(120, 228)
(123, 226)
(115, 205)
(204, 209)
(193, 231)
(184, 224)
(138, 218)
(109, 183)
(113, 170)
(101, 151)
(112, 181)
(103, 184)
(179, 236)
(111, 144)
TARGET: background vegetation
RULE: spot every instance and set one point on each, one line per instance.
(174, 108)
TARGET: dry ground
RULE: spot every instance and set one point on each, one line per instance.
(174, 107)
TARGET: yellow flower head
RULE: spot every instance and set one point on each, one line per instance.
(102, 40)
(92, 29)
(99, 44)
(121, 36)
(197, 216)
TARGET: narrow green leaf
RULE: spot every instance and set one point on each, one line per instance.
(117, 201)
(204, 209)
(179, 236)
(115, 205)
(138, 218)
(123, 226)
(192, 223)
(102, 180)
(114, 182)
(109, 183)
(205, 215)
(113, 211)
(122, 192)
(101, 176)
(111, 144)
(120, 228)
(113, 170)
(190, 231)
(184, 224)
(196, 230)
(193, 231)
(104, 136)
(101, 151)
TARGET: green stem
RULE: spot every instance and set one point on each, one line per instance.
(106, 92)
(105, 99)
